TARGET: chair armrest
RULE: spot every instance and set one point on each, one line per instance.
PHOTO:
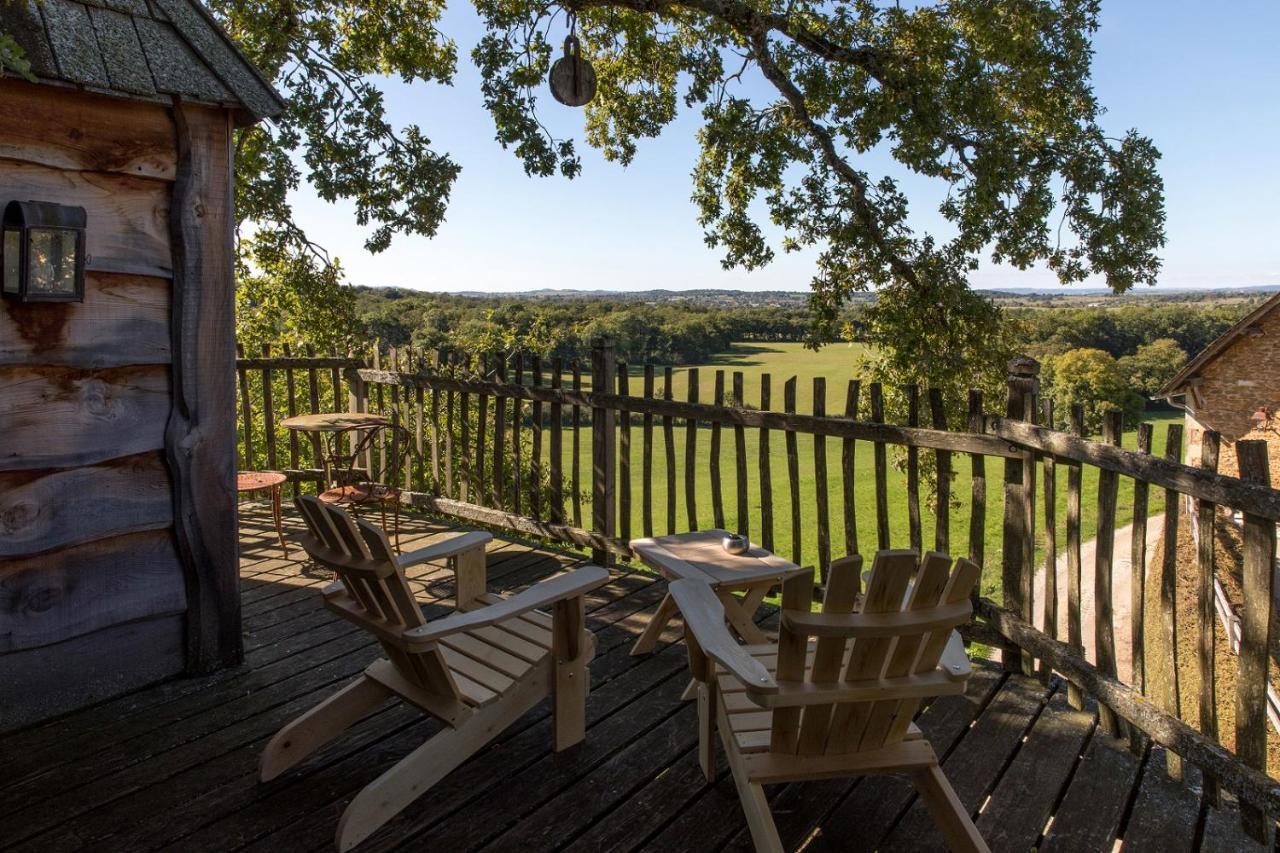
(569, 585)
(704, 620)
(450, 547)
(955, 661)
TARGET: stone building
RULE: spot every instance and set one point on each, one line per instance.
(1233, 387)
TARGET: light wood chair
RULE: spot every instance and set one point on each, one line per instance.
(477, 670)
(836, 694)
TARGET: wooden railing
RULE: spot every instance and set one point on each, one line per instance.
(548, 449)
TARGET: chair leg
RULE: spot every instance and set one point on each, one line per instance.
(320, 725)
(415, 774)
(707, 698)
(572, 653)
(947, 811)
(276, 516)
(764, 832)
(469, 578)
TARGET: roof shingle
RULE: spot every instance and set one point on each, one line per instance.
(136, 49)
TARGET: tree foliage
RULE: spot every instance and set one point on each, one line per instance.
(1154, 364)
(992, 100)
(324, 57)
(1120, 331)
(1093, 379)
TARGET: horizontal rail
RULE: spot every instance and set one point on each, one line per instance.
(1250, 785)
(710, 413)
(520, 523)
(1196, 482)
(297, 363)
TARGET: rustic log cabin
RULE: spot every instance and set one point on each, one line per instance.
(118, 555)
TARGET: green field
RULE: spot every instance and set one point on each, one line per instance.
(835, 363)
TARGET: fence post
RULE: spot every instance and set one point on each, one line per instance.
(357, 399)
(1018, 551)
(1255, 635)
(603, 517)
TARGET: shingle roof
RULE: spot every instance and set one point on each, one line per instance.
(142, 49)
(1219, 345)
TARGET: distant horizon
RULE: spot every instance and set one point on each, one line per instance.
(1066, 290)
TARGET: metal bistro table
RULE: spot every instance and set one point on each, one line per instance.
(700, 554)
(333, 426)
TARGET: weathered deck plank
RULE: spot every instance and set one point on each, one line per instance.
(174, 766)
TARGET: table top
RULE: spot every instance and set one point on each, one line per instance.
(701, 554)
(334, 422)
(250, 481)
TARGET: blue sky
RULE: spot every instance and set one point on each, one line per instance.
(1203, 80)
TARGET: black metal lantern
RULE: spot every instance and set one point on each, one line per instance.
(43, 252)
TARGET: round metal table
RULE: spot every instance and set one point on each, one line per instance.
(333, 425)
(259, 481)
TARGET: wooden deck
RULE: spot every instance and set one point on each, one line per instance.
(173, 766)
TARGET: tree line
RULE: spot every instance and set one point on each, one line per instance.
(1118, 358)
(670, 332)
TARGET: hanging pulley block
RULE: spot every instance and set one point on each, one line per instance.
(572, 79)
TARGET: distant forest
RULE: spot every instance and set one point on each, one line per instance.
(668, 332)
(669, 329)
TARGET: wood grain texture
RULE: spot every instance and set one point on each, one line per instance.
(1165, 473)
(38, 683)
(1104, 552)
(1253, 786)
(78, 590)
(199, 439)
(45, 510)
(108, 134)
(123, 320)
(128, 218)
(60, 417)
(1255, 638)
(978, 487)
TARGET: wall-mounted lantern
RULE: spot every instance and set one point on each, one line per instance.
(43, 252)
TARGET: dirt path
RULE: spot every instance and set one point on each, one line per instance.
(1121, 597)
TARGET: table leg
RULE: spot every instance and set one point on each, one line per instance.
(649, 639)
(739, 619)
(753, 598)
(276, 515)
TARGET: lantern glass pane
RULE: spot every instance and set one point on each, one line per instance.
(12, 260)
(51, 262)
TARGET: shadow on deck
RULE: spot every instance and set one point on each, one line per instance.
(173, 766)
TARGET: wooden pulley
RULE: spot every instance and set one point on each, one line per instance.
(572, 79)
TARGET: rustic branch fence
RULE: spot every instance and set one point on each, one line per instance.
(491, 447)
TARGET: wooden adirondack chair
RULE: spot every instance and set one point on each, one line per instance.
(477, 670)
(841, 705)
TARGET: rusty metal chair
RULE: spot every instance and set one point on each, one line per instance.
(386, 449)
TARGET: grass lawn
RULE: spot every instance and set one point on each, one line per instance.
(836, 364)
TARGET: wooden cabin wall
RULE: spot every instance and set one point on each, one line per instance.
(96, 580)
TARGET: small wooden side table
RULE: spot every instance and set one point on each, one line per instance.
(260, 481)
(701, 555)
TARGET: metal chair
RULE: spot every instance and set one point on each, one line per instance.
(387, 450)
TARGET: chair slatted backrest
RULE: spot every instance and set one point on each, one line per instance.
(903, 588)
(366, 566)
